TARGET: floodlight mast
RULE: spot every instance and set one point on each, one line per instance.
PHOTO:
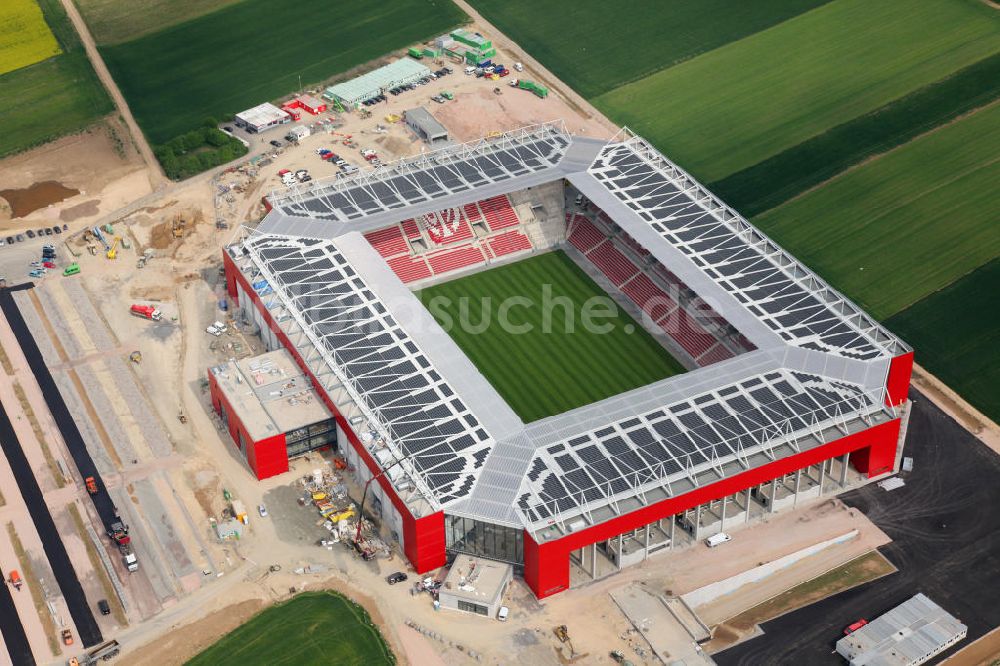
(364, 494)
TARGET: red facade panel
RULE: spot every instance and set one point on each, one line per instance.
(546, 565)
(897, 384)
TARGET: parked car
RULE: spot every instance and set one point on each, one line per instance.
(10, 240)
(37, 273)
(57, 230)
(31, 234)
(48, 232)
(20, 237)
(276, 143)
(104, 607)
(394, 578)
(48, 264)
(503, 613)
(717, 539)
(65, 227)
(227, 129)
(262, 510)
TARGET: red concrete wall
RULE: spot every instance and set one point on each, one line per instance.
(897, 384)
(546, 565)
(267, 457)
(423, 538)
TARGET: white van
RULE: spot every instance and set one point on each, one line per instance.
(470, 70)
(503, 613)
(717, 539)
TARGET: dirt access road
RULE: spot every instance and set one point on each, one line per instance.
(156, 177)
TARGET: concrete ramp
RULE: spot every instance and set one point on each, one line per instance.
(670, 627)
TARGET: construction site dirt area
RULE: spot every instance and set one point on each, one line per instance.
(77, 177)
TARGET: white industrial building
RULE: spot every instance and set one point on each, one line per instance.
(262, 117)
(909, 634)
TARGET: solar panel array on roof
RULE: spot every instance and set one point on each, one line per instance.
(425, 420)
(723, 425)
(412, 181)
(731, 252)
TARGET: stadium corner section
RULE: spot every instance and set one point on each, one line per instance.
(423, 537)
(547, 565)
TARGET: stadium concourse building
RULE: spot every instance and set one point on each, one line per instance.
(791, 391)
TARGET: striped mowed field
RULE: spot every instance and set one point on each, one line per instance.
(545, 364)
(25, 37)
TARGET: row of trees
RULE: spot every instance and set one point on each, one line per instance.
(197, 151)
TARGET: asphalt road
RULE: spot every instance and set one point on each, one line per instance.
(945, 528)
(62, 567)
(10, 624)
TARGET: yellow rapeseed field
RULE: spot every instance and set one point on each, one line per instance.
(25, 37)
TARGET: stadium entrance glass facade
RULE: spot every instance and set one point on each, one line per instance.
(474, 537)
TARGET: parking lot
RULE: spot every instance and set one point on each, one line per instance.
(946, 544)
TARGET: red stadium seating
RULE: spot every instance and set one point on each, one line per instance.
(410, 228)
(687, 332)
(499, 213)
(409, 269)
(650, 298)
(508, 243)
(452, 260)
(472, 212)
(612, 263)
(388, 242)
(714, 355)
(584, 236)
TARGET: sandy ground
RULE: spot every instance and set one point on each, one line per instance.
(983, 652)
(100, 162)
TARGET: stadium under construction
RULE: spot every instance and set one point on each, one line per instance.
(791, 390)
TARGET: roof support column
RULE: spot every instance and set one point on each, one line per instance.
(822, 473)
(593, 561)
(647, 542)
(746, 518)
(798, 480)
(697, 522)
(673, 525)
(618, 560)
(722, 519)
(774, 493)
(843, 469)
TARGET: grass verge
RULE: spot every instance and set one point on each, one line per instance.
(35, 587)
(789, 173)
(860, 570)
(546, 360)
(740, 104)
(956, 334)
(98, 565)
(310, 628)
(39, 435)
(900, 227)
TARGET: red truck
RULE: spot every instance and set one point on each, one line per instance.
(15, 579)
(91, 485)
(146, 312)
(851, 628)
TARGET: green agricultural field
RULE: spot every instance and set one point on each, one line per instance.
(554, 365)
(956, 335)
(311, 628)
(57, 96)
(791, 172)
(254, 51)
(596, 45)
(113, 21)
(898, 228)
(739, 104)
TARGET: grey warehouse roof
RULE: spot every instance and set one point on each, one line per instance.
(818, 372)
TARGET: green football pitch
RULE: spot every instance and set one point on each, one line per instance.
(546, 336)
(311, 628)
